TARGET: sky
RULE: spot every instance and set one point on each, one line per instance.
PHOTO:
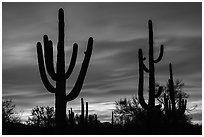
(118, 30)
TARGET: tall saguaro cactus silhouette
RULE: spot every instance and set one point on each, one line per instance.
(61, 98)
(151, 70)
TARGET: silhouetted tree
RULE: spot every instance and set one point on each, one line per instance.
(42, 116)
(129, 110)
(61, 76)
(9, 115)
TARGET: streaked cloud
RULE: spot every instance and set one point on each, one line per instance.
(119, 30)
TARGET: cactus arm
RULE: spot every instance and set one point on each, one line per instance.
(159, 92)
(141, 80)
(180, 103)
(183, 106)
(44, 78)
(72, 62)
(160, 54)
(69, 113)
(145, 68)
(169, 106)
(166, 104)
(142, 100)
(48, 48)
(78, 85)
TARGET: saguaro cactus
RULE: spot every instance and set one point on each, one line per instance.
(152, 95)
(61, 98)
(71, 116)
(87, 109)
(171, 106)
(82, 111)
(112, 118)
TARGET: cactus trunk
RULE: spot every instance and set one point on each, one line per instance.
(60, 104)
(151, 103)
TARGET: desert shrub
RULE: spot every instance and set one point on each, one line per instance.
(42, 116)
(9, 114)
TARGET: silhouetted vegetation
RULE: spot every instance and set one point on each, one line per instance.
(42, 116)
(134, 119)
(61, 76)
(128, 111)
(128, 118)
(174, 103)
(9, 115)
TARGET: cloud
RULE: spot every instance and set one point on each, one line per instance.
(119, 30)
(121, 68)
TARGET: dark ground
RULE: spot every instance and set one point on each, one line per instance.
(101, 129)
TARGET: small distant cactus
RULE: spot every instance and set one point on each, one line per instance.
(112, 118)
(61, 98)
(87, 114)
(71, 116)
(151, 70)
(82, 111)
(84, 117)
